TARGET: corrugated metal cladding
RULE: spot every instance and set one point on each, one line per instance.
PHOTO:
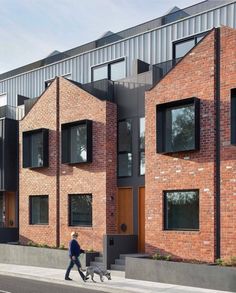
(152, 47)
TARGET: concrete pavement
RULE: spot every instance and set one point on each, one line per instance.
(118, 284)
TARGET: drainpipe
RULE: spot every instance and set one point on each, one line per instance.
(217, 141)
(57, 163)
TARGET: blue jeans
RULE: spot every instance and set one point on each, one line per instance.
(71, 264)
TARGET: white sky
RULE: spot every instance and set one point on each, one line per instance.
(31, 29)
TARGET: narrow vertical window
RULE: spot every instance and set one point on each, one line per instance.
(233, 116)
(142, 146)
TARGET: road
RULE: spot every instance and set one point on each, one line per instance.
(20, 285)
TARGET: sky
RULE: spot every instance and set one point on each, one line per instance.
(31, 29)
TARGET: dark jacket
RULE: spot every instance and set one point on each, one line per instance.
(74, 248)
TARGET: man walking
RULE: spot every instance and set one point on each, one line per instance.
(74, 252)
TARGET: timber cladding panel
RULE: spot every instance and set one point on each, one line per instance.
(97, 178)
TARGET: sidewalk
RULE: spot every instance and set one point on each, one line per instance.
(118, 283)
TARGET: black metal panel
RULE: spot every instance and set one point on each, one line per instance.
(9, 235)
(29, 104)
(233, 116)
(8, 154)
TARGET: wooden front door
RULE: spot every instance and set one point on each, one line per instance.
(125, 211)
(141, 220)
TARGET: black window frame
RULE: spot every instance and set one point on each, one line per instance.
(108, 64)
(30, 209)
(66, 157)
(125, 152)
(233, 116)
(69, 209)
(161, 124)
(165, 213)
(195, 38)
(48, 82)
(27, 146)
(141, 150)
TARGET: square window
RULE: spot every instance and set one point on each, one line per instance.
(80, 210)
(181, 210)
(117, 70)
(77, 142)
(233, 116)
(39, 210)
(35, 148)
(178, 126)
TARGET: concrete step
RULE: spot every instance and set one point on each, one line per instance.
(99, 259)
(118, 268)
(123, 256)
(115, 273)
(120, 262)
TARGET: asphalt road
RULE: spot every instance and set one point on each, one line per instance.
(20, 285)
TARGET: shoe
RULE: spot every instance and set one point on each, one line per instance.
(85, 279)
(68, 279)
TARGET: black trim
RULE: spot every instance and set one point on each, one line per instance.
(27, 160)
(160, 123)
(141, 150)
(233, 116)
(66, 141)
(217, 126)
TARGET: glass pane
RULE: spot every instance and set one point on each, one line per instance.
(81, 210)
(79, 143)
(125, 165)
(124, 136)
(36, 150)
(142, 133)
(184, 47)
(142, 163)
(180, 128)
(100, 72)
(1, 210)
(182, 210)
(39, 210)
(117, 70)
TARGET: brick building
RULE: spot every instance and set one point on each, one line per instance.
(131, 134)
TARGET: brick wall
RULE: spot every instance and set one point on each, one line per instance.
(97, 178)
(228, 151)
(192, 77)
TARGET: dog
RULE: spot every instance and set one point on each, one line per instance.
(90, 271)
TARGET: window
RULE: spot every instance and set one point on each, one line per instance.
(39, 210)
(124, 148)
(181, 210)
(233, 116)
(3, 100)
(178, 126)
(48, 82)
(142, 146)
(80, 210)
(35, 148)
(182, 47)
(77, 142)
(112, 71)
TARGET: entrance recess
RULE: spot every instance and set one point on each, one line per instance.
(141, 221)
(125, 211)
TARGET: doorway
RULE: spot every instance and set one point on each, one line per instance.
(125, 210)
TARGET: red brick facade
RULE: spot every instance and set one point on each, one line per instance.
(65, 102)
(194, 76)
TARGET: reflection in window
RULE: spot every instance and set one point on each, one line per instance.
(182, 47)
(117, 70)
(113, 71)
(80, 210)
(39, 210)
(142, 146)
(181, 210)
(125, 165)
(180, 128)
(124, 148)
(35, 148)
(77, 142)
(100, 72)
